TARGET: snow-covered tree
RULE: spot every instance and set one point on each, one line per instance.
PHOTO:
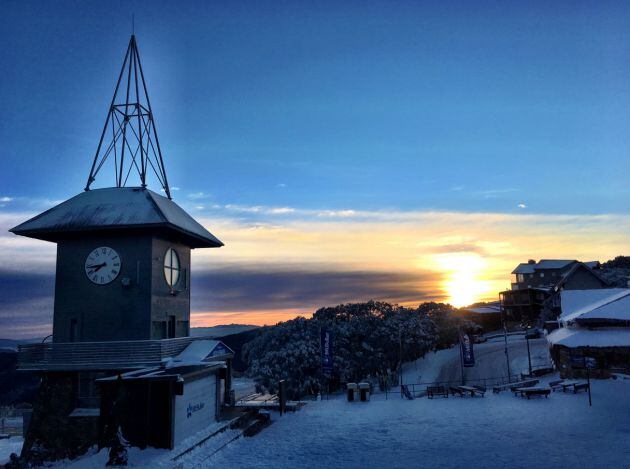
(370, 341)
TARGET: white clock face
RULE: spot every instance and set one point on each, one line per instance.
(102, 265)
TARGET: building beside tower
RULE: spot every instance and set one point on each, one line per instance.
(121, 355)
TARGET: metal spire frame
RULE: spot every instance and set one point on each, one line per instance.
(134, 141)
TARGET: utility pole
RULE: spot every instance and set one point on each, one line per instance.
(461, 355)
(507, 355)
(400, 357)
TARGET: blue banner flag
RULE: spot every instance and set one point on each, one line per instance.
(326, 351)
(468, 355)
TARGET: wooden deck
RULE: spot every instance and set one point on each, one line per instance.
(267, 402)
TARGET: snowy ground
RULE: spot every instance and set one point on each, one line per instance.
(493, 432)
(8, 446)
(490, 361)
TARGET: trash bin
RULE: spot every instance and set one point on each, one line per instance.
(352, 391)
(364, 391)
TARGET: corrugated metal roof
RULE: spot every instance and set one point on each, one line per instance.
(116, 208)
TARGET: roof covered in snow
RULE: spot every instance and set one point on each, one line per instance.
(200, 351)
(116, 208)
(608, 304)
(544, 264)
(581, 337)
(488, 308)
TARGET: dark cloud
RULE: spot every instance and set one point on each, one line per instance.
(27, 304)
(27, 299)
(247, 290)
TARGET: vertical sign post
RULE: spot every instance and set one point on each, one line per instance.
(326, 352)
(589, 363)
(467, 352)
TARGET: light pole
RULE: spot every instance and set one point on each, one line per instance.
(529, 355)
(507, 355)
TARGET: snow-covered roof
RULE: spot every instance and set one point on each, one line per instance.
(484, 309)
(543, 264)
(200, 351)
(116, 208)
(600, 304)
(524, 268)
(553, 263)
(580, 337)
(592, 264)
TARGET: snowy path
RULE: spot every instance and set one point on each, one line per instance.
(490, 361)
(497, 431)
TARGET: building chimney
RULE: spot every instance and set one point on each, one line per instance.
(531, 261)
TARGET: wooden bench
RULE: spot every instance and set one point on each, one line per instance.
(556, 384)
(436, 391)
(473, 390)
(456, 390)
(578, 386)
(532, 391)
(519, 384)
(524, 384)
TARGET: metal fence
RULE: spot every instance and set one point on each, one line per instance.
(114, 355)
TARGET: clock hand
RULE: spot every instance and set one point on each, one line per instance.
(98, 266)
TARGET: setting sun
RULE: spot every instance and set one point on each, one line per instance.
(464, 283)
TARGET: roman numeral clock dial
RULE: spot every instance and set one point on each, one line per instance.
(102, 265)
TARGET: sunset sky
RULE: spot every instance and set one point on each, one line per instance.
(342, 151)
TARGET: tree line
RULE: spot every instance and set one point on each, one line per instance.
(370, 340)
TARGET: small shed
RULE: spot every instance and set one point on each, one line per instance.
(162, 406)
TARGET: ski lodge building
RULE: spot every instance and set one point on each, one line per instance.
(121, 354)
(595, 330)
(539, 283)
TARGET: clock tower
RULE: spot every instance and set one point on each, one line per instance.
(123, 253)
(122, 286)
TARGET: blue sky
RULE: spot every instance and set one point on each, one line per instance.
(369, 105)
(336, 117)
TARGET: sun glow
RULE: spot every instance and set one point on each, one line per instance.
(464, 283)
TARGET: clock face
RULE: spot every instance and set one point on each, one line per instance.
(102, 265)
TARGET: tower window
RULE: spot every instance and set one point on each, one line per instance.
(172, 267)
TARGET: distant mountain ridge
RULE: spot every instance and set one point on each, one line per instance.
(221, 330)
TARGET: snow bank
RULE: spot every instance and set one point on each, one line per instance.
(8, 446)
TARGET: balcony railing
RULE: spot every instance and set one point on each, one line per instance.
(118, 355)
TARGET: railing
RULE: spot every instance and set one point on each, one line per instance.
(114, 355)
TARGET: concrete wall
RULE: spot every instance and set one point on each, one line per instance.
(165, 301)
(139, 311)
(103, 312)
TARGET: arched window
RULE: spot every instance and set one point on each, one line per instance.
(171, 267)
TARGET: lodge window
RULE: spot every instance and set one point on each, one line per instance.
(542, 274)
